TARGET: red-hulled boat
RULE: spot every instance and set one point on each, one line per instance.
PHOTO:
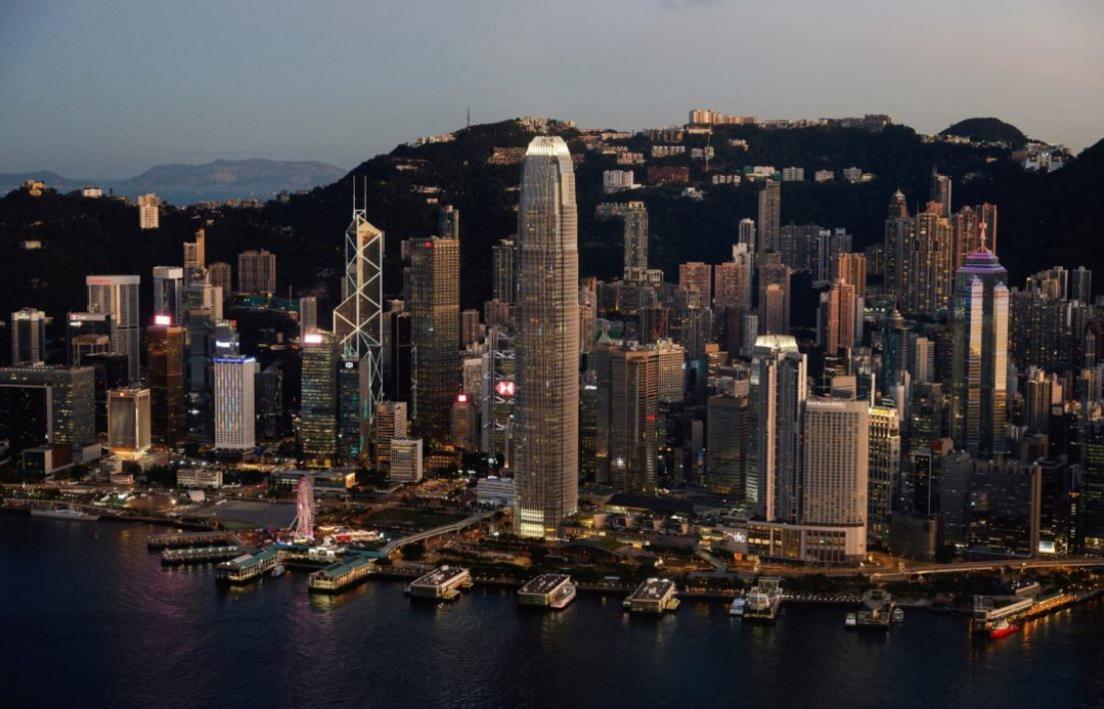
(1003, 629)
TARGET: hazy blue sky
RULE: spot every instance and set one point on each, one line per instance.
(106, 89)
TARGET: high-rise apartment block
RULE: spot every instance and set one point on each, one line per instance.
(257, 272)
(149, 211)
(770, 216)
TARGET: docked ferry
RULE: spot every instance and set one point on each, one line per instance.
(763, 602)
(67, 513)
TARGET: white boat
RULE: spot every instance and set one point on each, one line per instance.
(737, 607)
(279, 571)
(66, 513)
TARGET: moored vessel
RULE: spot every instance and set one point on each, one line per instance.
(66, 513)
(764, 600)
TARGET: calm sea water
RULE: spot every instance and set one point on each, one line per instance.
(89, 618)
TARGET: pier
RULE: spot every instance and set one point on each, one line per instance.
(338, 577)
(199, 555)
(548, 591)
(181, 540)
(442, 584)
(247, 567)
(653, 596)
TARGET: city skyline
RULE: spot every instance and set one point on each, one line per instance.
(91, 124)
(804, 369)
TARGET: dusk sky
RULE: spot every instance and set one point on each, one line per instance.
(98, 89)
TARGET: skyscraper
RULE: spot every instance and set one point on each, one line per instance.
(636, 236)
(628, 390)
(941, 193)
(234, 381)
(1081, 285)
(503, 256)
(928, 272)
(308, 314)
(745, 233)
(779, 374)
(697, 277)
(51, 405)
(732, 280)
(835, 462)
(352, 438)
(195, 258)
(165, 370)
(128, 419)
(729, 424)
(28, 336)
(547, 402)
(836, 318)
(390, 425)
(318, 412)
(884, 470)
(852, 269)
(358, 319)
(168, 292)
(397, 360)
(770, 216)
(257, 272)
(435, 311)
(979, 324)
(448, 222)
(774, 297)
(117, 296)
(219, 276)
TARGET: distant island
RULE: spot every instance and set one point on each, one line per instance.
(186, 184)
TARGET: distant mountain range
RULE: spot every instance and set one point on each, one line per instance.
(182, 184)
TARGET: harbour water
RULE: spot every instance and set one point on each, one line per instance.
(88, 617)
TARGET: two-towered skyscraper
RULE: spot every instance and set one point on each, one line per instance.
(547, 405)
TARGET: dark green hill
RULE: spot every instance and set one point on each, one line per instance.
(1045, 219)
(992, 130)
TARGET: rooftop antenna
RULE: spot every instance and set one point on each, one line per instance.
(469, 117)
(354, 192)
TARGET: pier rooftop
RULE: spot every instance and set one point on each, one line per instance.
(654, 589)
(545, 583)
(440, 576)
(339, 569)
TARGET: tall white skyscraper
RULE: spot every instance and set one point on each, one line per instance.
(779, 382)
(547, 403)
(835, 466)
(234, 414)
(117, 296)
